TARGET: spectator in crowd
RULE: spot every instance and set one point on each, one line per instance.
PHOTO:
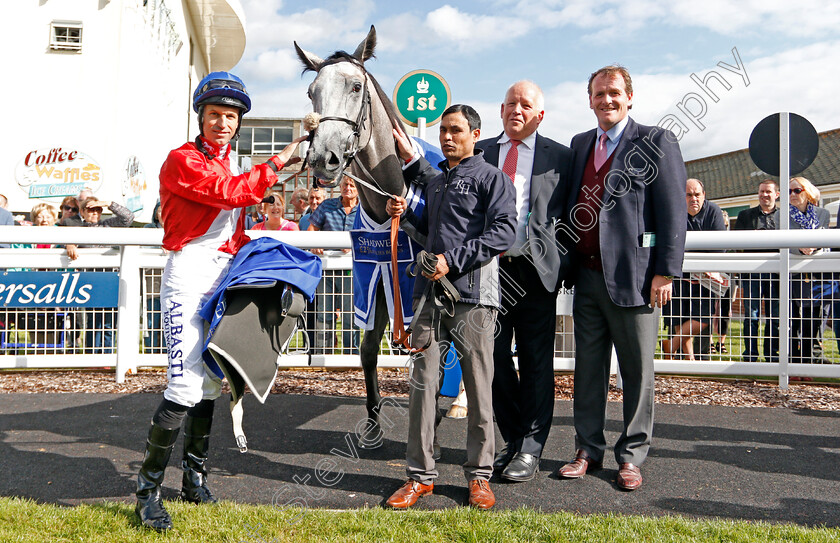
(469, 218)
(724, 309)
(693, 304)
(69, 210)
(99, 336)
(274, 209)
(300, 201)
(335, 292)
(4, 202)
(761, 287)
(71, 218)
(6, 219)
(627, 234)
(806, 314)
(316, 197)
(540, 170)
(153, 337)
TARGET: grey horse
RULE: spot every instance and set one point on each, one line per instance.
(354, 135)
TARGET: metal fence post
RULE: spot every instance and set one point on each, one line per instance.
(128, 314)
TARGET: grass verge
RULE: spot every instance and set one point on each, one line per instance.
(25, 520)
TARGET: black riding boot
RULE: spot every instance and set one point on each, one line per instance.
(196, 442)
(149, 507)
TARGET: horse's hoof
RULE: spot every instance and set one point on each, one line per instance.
(372, 437)
(457, 412)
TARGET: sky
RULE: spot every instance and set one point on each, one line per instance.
(757, 57)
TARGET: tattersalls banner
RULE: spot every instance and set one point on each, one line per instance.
(59, 289)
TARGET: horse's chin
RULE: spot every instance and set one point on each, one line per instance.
(324, 181)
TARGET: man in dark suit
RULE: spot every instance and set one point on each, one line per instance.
(626, 230)
(532, 271)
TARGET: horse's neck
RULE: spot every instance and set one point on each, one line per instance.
(381, 163)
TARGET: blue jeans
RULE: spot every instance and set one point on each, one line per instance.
(99, 338)
(758, 287)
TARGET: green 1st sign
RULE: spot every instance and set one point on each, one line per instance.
(421, 93)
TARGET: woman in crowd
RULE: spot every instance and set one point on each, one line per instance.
(69, 212)
(274, 209)
(806, 314)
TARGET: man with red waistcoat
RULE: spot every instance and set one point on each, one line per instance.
(626, 232)
(202, 193)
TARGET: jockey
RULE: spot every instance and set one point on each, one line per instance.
(202, 193)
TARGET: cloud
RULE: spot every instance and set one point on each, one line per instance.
(470, 32)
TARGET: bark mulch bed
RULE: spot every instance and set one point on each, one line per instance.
(392, 382)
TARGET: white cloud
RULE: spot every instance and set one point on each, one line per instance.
(473, 32)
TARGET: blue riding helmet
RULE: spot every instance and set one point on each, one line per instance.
(222, 88)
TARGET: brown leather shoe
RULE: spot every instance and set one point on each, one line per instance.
(481, 497)
(407, 494)
(578, 467)
(629, 476)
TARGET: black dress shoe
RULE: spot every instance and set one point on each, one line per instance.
(522, 467)
(503, 457)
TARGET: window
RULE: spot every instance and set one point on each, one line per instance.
(66, 36)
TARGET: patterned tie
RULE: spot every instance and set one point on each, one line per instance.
(601, 152)
(509, 167)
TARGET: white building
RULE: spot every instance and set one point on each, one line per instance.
(97, 92)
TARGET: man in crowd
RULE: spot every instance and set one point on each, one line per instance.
(693, 305)
(626, 229)
(469, 218)
(533, 269)
(316, 197)
(300, 201)
(336, 292)
(761, 287)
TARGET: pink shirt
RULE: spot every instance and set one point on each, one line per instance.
(284, 225)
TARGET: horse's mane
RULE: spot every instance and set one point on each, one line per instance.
(343, 56)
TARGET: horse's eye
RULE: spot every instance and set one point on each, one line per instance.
(309, 95)
(357, 87)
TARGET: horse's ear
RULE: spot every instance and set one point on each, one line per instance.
(310, 61)
(365, 49)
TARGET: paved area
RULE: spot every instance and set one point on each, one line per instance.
(776, 465)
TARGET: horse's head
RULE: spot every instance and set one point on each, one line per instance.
(341, 96)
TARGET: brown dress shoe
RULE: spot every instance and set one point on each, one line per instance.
(578, 467)
(481, 497)
(629, 476)
(407, 494)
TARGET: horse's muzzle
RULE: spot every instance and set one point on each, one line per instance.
(319, 183)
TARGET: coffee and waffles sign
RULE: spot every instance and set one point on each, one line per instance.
(421, 93)
(57, 172)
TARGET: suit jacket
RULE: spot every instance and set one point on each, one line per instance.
(550, 182)
(643, 215)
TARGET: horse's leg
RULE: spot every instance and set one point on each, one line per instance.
(369, 350)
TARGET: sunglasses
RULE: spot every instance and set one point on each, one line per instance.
(93, 209)
(797, 191)
(70, 208)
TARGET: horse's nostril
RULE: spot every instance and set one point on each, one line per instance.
(333, 160)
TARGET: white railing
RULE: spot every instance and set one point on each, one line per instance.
(135, 255)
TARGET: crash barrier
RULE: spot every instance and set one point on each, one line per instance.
(110, 294)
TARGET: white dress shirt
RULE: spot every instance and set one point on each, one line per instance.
(522, 184)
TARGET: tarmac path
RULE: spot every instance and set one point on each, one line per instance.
(776, 465)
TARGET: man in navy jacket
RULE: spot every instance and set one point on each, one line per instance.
(626, 230)
(469, 219)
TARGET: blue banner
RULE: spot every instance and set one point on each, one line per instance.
(59, 289)
(375, 247)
